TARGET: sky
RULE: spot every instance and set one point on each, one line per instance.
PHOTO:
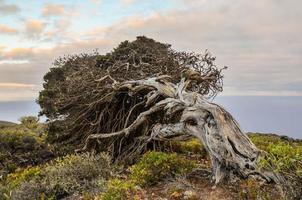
(260, 41)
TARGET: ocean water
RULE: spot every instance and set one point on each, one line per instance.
(12, 111)
(280, 115)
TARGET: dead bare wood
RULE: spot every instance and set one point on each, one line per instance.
(230, 150)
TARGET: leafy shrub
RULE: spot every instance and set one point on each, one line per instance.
(262, 141)
(192, 146)
(21, 147)
(62, 177)
(119, 190)
(31, 122)
(156, 165)
(283, 154)
(284, 157)
(152, 167)
(17, 178)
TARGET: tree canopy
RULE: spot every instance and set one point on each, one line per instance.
(138, 97)
(80, 95)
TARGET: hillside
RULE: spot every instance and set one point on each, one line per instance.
(6, 124)
(181, 171)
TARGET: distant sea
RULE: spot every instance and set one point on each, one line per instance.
(280, 115)
(12, 111)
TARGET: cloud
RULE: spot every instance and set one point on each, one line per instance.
(18, 91)
(96, 1)
(17, 54)
(60, 19)
(13, 67)
(59, 31)
(7, 30)
(8, 9)
(13, 61)
(127, 2)
(16, 85)
(34, 28)
(263, 51)
(54, 10)
(17, 94)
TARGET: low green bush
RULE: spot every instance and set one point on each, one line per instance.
(17, 178)
(262, 141)
(119, 190)
(60, 178)
(21, 147)
(154, 166)
(193, 146)
(283, 157)
(281, 154)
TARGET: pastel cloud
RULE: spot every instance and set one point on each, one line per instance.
(17, 91)
(54, 10)
(8, 9)
(127, 2)
(96, 1)
(17, 94)
(34, 28)
(7, 30)
(17, 54)
(262, 51)
(16, 85)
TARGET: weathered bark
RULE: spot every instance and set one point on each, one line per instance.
(189, 114)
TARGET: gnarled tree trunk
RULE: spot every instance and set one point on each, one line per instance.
(173, 112)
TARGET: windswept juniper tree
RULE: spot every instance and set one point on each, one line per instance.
(143, 93)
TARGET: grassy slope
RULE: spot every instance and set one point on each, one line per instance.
(152, 178)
